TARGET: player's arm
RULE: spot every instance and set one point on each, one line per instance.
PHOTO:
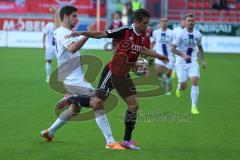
(91, 34)
(55, 13)
(75, 46)
(201, 54)
(175, 43)
(115, 33)
(148, 52)
(44, 40)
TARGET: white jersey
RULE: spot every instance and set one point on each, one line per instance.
(69, 63)
(176, 30)
(48, 30)
(186, 43)
(163, 41)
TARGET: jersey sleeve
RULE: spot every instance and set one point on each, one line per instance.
(199, 42)
(177, 40)
(116, 33)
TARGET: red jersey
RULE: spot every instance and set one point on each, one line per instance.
(128, 47)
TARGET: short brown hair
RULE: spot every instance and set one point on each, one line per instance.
(188, 15)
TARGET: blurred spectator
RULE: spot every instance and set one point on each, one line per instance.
(119, 7)
(116, 23)
(220, 4)
(129, 11)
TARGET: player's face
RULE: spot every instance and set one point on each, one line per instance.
(163, 23)
(116, 16)
(73, 19)
(190, 22)
(142, 26)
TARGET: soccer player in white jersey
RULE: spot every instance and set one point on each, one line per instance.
(70, 71)
(49, 47)
(187, 46)
(162, 39)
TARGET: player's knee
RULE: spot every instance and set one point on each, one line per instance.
(96, 103)
(195, 81)
(133, 108)
(183, 86)
(75, 109)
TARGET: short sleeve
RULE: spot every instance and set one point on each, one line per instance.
(153, 39)
(176, 40)
(199, 42)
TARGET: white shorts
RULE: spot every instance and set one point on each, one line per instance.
(170, 65)
(50, 52)
(185, 71)
(81, 89)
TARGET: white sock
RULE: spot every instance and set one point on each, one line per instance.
(194, 95)
(103, 124)
(179, 86)
(48, 69)
(62, 119)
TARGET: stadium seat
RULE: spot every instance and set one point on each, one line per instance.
(207, 5)
(198, 5)
(198, 13)
(207, 13)
(231, 13)
(190, 5)
(238, 5)
(224, 13)
(231, 1)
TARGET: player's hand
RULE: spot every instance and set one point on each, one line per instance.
(204, 64)
(186, 57)
(164, 59)
(73, 34)
(91, 27)
(53, 10)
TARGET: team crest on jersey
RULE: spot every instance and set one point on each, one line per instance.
(191, 41)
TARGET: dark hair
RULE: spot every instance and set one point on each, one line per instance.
(188, 15)
(67, 10)
(140, 13)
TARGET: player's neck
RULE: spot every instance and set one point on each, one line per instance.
(66, 26)
(163, 29)
(189, 29)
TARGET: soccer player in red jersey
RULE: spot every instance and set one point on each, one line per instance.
(130, 43)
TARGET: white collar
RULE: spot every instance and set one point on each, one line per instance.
(134, 30)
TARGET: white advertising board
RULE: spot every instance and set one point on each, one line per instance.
(215, 44)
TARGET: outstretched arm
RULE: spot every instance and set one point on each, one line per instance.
(175, 51)
(148, 52)
(91, 34)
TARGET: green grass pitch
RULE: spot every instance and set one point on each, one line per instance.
(27, 107)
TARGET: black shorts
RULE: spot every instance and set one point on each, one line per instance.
(108, 81)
